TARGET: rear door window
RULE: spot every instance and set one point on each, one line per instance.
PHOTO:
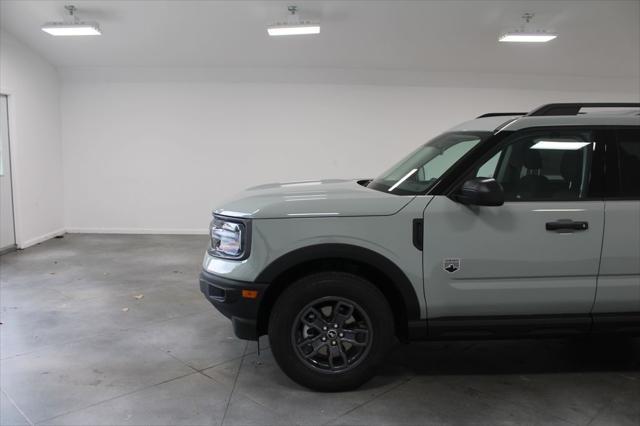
(628, 163)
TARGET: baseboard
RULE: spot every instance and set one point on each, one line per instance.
(8, 249)
(159, 231)
(40, 239)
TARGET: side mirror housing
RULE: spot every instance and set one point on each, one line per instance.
(480, 192)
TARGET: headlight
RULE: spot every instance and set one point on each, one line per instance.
(229, 238)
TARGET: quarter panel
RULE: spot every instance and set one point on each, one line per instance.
(390, 236)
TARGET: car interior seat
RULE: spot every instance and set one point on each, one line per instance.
(533, 184)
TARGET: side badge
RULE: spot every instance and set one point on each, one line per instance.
(451, 265)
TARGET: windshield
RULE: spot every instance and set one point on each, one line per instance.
(417, 172)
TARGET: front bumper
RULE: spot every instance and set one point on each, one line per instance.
(226, 295)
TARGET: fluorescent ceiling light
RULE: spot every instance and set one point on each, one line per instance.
(81, 29)
(563, 145)
(525, 35)
(73, 26)
(293, 25)
(517, 37)
(281, 30)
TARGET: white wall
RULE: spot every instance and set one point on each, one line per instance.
(34, 107)
(157, 157)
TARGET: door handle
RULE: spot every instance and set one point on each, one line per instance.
(567, 225)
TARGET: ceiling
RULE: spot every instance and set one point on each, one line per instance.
(597, 38)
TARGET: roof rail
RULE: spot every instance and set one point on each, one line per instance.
(574, 109)
(500, 114)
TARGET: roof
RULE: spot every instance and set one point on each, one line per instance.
(495, 124)
(485, 124)
(557, 115)
(573, 120)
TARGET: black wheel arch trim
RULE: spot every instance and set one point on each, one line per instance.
(350, 253)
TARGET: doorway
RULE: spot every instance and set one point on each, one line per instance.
(7, 225)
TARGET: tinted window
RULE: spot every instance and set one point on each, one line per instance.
(629, 162)
(543, 165)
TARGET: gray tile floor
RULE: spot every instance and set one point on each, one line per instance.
(77, 348)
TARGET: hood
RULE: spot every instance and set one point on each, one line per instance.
(324, 198)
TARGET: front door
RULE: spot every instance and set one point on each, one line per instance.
(537, 254)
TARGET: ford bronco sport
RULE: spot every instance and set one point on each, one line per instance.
(509, 225)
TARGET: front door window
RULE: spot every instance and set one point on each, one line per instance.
(544, 166)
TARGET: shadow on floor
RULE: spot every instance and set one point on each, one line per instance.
(540, 356)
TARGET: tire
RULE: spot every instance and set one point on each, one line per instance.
(328, 331)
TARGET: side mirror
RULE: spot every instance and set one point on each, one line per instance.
(480, 192)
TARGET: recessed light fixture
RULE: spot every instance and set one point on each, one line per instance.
(293, 25)
(524, 35)
(73, 27)
(527, 37)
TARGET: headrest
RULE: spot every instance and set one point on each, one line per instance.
(532, 159)
(570, 165)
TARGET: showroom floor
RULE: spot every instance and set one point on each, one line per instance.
(112, 329)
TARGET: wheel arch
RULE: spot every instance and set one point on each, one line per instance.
(378, 269)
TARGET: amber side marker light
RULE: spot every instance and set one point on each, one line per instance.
(250, 294)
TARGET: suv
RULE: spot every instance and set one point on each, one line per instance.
(509, 225)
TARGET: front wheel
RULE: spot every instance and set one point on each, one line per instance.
(329, 330)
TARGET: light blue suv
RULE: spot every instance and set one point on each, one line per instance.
(512, 224)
